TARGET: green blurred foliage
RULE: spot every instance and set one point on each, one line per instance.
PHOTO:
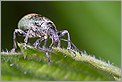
(93, 26)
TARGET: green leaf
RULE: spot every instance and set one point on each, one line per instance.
(33, 64)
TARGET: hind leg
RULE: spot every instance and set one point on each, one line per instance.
(38, 42)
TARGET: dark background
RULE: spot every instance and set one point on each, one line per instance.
(93, 26)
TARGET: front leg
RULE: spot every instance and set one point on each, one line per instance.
(37, 45)
(38, 42)
(62, 33)
(27, 36)
(51, 45)
(19, 32)
(73, 46)
(45, 42)
(48, 56)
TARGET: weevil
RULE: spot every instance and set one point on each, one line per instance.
(35, 25)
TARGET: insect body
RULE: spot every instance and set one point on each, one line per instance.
(36, 25)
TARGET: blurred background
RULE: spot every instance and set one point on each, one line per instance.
(93, 26)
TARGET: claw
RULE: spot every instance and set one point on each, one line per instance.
(25, 40)
(80, 53)
(48, 56)
(73, 52)
(68, 48)
(6, 50)
(84, 51)
(12, 50)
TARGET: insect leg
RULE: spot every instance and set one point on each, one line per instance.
(37, 45)
(72, 45)
(48, 56)
(62, 33)
(19, 32)
(50, 47)
(54, 43)
(45, 42)
(38, 42)
(59, 43)
(27, 35)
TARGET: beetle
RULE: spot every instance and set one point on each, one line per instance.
(35, 25)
